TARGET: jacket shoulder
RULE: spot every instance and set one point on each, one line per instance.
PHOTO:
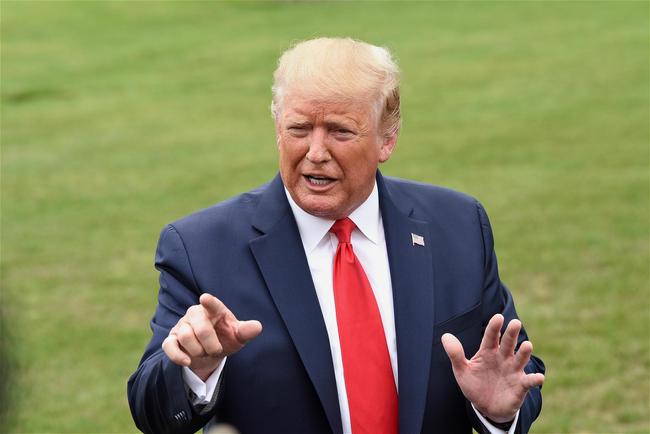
(225, 218)
(428, 198)
(240, 205)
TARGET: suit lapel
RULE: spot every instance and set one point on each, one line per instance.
(281, 258)
(412, 280)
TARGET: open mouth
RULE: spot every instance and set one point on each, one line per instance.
(319, 180)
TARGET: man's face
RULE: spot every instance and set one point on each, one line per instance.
(329, 153)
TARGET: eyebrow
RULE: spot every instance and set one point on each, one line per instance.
(300, 123)
(300, 119)
(332, 125)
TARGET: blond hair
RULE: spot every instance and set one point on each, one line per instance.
(341, 69)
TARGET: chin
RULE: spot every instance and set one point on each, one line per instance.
(320, 208)
(319, 211)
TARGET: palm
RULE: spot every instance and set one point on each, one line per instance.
(493, 379)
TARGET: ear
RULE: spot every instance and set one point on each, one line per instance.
(277, 132)
(387, 146)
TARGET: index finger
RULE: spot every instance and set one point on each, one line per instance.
(215, 307)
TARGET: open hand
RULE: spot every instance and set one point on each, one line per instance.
(494, 380)
(206, 334)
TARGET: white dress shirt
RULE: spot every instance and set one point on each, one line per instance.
(320, 245)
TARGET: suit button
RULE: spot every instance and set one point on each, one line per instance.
(180, 417)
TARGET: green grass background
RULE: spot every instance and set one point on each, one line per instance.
(119, 117)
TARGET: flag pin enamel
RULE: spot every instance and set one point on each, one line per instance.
(417, 239)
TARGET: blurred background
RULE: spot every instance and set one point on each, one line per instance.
(119, 117)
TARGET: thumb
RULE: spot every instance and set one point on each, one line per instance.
(454, 350)
(248, 330)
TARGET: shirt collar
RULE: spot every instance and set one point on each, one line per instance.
(312, 229)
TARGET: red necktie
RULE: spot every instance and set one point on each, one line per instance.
(369, 382)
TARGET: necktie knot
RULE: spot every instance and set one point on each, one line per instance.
(342, 229)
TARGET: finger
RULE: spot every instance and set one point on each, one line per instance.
(492, 332)
(248, 330)
(454, 350)
(206, 335)
(523, 355)
(187, 339)
(171, 347)
(509, 339)
(533, 380)
(215, 307)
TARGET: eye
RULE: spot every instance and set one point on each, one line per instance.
(343, 133)
(298, 130)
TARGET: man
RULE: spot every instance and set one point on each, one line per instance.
(366, 287)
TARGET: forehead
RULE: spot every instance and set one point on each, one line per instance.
(296, 105)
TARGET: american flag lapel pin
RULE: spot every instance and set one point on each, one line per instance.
(417, 239)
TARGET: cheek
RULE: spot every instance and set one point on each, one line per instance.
(291, 152)
(359, 160)
(285, 147)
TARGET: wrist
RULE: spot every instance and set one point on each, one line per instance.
(496, 419)
(505, 426)
(205, 368)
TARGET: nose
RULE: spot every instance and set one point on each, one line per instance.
(318, 151)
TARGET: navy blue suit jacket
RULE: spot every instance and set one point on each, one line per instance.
(247, 252)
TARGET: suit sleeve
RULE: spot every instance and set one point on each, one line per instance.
(156, 391)
(497, 299)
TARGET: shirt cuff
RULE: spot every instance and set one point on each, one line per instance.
(492, 428)
(202, 391)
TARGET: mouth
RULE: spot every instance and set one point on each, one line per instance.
(318, 180)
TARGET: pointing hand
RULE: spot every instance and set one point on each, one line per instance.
(206, 334)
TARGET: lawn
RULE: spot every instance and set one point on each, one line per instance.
(120, 117)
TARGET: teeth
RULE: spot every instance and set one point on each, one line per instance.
(318, 181)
